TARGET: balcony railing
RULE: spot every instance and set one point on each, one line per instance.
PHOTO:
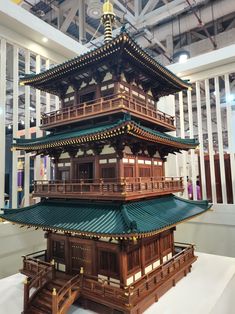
(129, 296)
(103, 106)
(120, 189)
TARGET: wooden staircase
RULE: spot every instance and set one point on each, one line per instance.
(50, 292)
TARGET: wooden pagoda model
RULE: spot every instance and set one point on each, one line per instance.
(109, 213)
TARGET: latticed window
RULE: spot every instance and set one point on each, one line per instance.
(58, 249)
(166, 242)
(151, 250)
(133, 259)
(108, 262)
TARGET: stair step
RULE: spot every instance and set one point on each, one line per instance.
(35, 310)
(42, 305)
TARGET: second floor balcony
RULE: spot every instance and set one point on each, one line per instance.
(109, 189)
(119, 103)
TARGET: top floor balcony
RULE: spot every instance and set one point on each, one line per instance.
(121, 189)
(117, 103)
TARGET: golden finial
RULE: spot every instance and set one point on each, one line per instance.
(108, 18)
(81, 270)
(54, 291)
(107, 7)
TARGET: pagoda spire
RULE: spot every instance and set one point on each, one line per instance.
(107, 19)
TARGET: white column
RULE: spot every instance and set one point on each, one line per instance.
(231, 132)
(191, 134)
(210, 142)
(27, 133)
(15, 124)
(220, 140)
(182, 134)
(48, 109)
(200, 138)
(37, 160)
(2, 119)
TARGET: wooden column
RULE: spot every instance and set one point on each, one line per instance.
(76, 98)
(123, 264)
(67, 255)
(72, 169)
(142, 257)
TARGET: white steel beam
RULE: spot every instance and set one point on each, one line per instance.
(192, 153)
(201, 144)
(27, 133)
(128, 15)
(210, 142)
(220, 140)
(48, 109)
(150, 5)
(182, 135)
(14, 188)
(70, 16)
(37, 160)
(231, 147)
(2, 118)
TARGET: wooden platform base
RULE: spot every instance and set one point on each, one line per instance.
(101, 306)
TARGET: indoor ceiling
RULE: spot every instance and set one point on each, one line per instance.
(163, 27)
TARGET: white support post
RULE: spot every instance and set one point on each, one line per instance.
(182, 134)
(231, 134)
(48, 109)
(2, 119)
(220, 140)
(37, 160)
(27, 132)
(15, 125)
(200, 138)
(192, 153)
(210, 142)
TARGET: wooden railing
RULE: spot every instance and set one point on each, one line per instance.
(65, 297)
(120, 188)
(46, 273)
(34, 263)
(128, 296)
(105, 289)
(152, 280)
(105, 105)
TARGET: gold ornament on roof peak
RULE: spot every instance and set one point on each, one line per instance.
(108, 7)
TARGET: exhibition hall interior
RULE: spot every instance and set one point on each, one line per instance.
(117, 172)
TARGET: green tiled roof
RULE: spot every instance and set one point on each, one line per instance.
(108, 219)
(122, 46)
(100, 132)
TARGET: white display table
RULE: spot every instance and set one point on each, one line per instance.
(208, 289)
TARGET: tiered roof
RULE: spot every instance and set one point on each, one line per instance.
(139, 219)
(100, 133)
(121, 52)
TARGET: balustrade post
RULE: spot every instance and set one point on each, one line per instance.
(53, 273)
(54, 301)
(26, 293)
(81, 277)
(129, 295)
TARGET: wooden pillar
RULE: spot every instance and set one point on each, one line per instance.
(76, 98)
(56, 169)
(98, 91)
(67, 255)
(142, 257)
(123, 264)
(97, 173)
(120, 168)
(62, 102)
(152, 167)
(72, 169)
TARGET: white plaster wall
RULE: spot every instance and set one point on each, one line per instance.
(209, 238)
(15, 242)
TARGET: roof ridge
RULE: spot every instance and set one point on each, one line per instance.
(132, 224)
